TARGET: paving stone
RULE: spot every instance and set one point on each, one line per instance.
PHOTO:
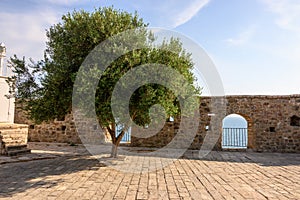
(222, 175)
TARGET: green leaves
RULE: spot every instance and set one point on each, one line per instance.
(69, 42)
(47, 86)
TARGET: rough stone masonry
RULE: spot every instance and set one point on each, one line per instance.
(273, 124)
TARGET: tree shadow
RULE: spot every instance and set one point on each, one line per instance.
(238, 156)
(19, 177)
(267, 159)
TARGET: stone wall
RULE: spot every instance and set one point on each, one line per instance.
(160, 139)
(273, 124)
(13, 134)
(269, 119)
(62, 130)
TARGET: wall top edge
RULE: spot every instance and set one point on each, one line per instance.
(255, 96)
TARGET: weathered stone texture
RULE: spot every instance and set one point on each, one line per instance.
(63, 130)
(273, 124)
(12, 135)
(269, 123)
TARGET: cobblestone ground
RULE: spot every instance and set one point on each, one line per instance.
(221, 175)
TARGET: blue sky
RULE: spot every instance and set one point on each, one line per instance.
(255, 44)
(234, 121)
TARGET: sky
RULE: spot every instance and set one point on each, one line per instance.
(255, 44)
(234, 121)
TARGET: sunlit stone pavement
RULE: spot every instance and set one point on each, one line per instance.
(71, 173)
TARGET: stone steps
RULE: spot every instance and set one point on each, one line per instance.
(11, 142)
(13, 139)
(17, 150)
(14, 149)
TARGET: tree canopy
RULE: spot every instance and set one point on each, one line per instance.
(47, 86)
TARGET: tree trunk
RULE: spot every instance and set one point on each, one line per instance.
(115, 140)
(114, 151)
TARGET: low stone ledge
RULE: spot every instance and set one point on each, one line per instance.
(13, 134)
(12, 126)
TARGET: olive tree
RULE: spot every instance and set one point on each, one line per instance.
(47, 87)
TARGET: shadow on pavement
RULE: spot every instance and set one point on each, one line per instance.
(262, 159)
(18, 177)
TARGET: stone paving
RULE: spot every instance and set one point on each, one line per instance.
(42, 150)
(73, 174)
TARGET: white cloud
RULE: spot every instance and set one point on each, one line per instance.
(169, 13)
(62, 2)
(243, 37)
(25, 33)
(288, 12)
(189, 12)
(287, 18)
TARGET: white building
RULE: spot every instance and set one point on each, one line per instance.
(7, 105)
